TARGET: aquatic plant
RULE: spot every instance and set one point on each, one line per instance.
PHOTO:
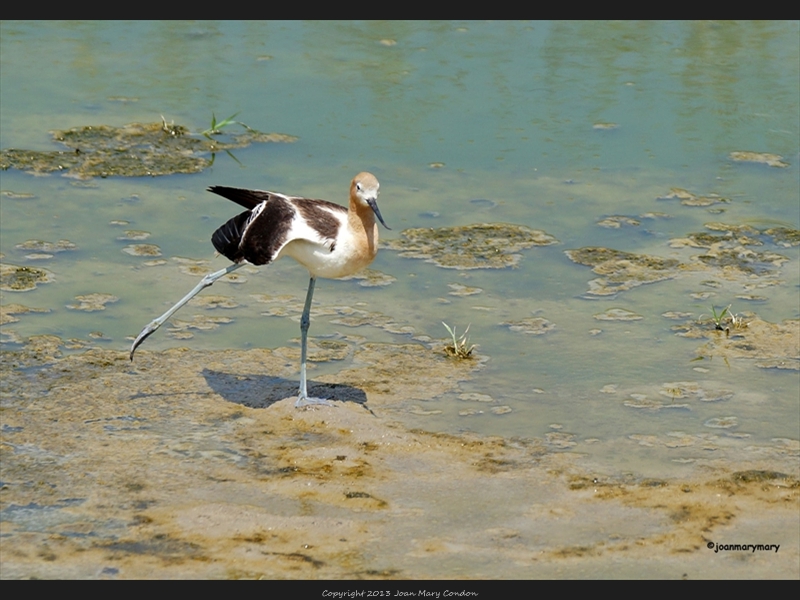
(718, 318)
(134, 150)
(737, 321)
(216, 128)
(461, 347)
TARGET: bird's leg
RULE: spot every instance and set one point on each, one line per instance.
(156, 323)
(305, 322)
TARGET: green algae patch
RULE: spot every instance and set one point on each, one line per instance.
(17, 195)
(92, 302)
(618, 314)
(642, 402)
(531, 326)
(371, 278)
(481, 246)
(460, 290)
(763, 158)
(687, 198)
(14, 278)
(761, 476)
(620, 270)
(142, 250)
(211, 301)
(7, 312)
(47, 247)
(180, 327)
(347, 316)
(134, 150)
(729, 251)
(135, 235)
(769, 345)
(617, 221)
(746, 262)
(732, 249)
(784, 236)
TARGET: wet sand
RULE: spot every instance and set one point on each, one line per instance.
(195, 464)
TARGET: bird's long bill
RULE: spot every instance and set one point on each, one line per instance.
(374, 206)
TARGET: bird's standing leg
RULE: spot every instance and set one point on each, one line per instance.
(204, 283)
(305, 322)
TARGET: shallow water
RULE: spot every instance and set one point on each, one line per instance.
(554, 126)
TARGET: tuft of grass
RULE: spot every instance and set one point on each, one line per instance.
(216, 128)
(718, 318)
(461, 347)
(726, 320)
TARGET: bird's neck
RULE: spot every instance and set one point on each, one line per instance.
(361, 220)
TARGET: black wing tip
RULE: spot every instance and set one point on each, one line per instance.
(228, 237)
(226, 191)
(241, 196)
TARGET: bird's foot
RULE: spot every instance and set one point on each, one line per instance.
(306, 402)
(151, 327)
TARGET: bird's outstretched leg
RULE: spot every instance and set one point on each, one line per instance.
(305, 321)
(204, 283)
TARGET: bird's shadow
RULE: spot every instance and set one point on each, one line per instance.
(262, 391)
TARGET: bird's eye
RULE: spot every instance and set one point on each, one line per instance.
(358, 187)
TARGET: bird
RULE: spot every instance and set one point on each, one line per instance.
(329, 240)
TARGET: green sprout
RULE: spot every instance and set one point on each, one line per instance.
(717, 318)
(460, 347)
(727, 320)
(216, 128)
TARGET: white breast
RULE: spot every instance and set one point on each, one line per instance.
(327, 258)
